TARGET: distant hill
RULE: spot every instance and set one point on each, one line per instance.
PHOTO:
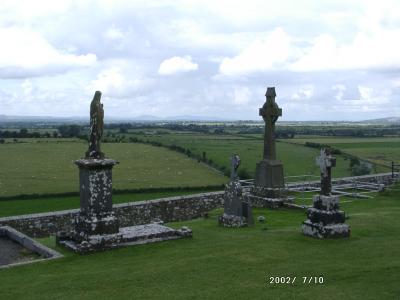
(383, 121)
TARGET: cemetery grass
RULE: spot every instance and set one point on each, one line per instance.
(222, 263)
(42, 168)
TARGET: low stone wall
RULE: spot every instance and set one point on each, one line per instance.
(381, 178)
(133, 213)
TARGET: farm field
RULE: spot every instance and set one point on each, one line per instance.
(297, 160)
(222, 263)
(381, 151)
(28, 168)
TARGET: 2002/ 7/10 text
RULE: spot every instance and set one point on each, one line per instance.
(292, 280)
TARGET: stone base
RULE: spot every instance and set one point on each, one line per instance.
(87, 226)
(127, 236)
(264, 192)
(269, 174)
(325, 216)
(265, 202)
(318, 230)
(330, 202)
(232, 221)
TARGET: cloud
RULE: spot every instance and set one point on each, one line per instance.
(241, 95)
(303, 93)
(262, 54)
(25, 53)
(177, 64)
(112, 82)
(339, 88)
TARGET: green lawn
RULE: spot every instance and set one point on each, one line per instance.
(28, 168)
(221, 263)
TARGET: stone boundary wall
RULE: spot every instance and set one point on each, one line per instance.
(381, 178)
(170, 209)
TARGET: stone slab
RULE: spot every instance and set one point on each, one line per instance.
(321, 231)
(127, 236)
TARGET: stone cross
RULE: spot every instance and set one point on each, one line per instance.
(270, 113)
(326, 161)
(235, 163)
(96, 127)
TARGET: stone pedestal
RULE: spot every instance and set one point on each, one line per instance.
(269, 174)
(325, 220)
(237, 209)
(95, 227)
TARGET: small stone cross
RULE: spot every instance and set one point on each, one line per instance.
(326, 162)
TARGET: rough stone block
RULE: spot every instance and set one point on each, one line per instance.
(318, 230)
(326, 216)
(269, 174)
(326, 202)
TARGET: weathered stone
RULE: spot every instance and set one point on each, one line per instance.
(237, 210)
(96, 127)
(325, 216)
(326, 161)
(269, 171)
(320, 231)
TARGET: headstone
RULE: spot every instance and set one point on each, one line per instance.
(325, 220)
(237, 210)
(269, 180)
(96, 227)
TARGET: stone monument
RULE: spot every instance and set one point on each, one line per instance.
(269, 180)
(237, 207)
(325, 220)
(96, 227)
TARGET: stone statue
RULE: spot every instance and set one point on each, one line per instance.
(96, 127)
(235, 163)
(326, 161)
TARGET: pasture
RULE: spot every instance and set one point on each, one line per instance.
(47, 167)
(381, 151)
(297, 159)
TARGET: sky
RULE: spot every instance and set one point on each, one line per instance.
(328, 60)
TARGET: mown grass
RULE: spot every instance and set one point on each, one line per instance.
(221, 263)
(28, 168)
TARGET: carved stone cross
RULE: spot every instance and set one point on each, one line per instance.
(270, 113)
(235, 163)
(96, 127)
(326, 162)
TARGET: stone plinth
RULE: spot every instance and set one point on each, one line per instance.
(95, 227)
(96, 216)
(269, 174)
(127, 236)
(237, 209)
(325, 220)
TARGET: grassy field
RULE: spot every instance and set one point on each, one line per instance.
(297, 159)
(381, 151)
(28, 168)
(221, 263)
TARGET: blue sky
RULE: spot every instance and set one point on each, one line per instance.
(329, 60)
